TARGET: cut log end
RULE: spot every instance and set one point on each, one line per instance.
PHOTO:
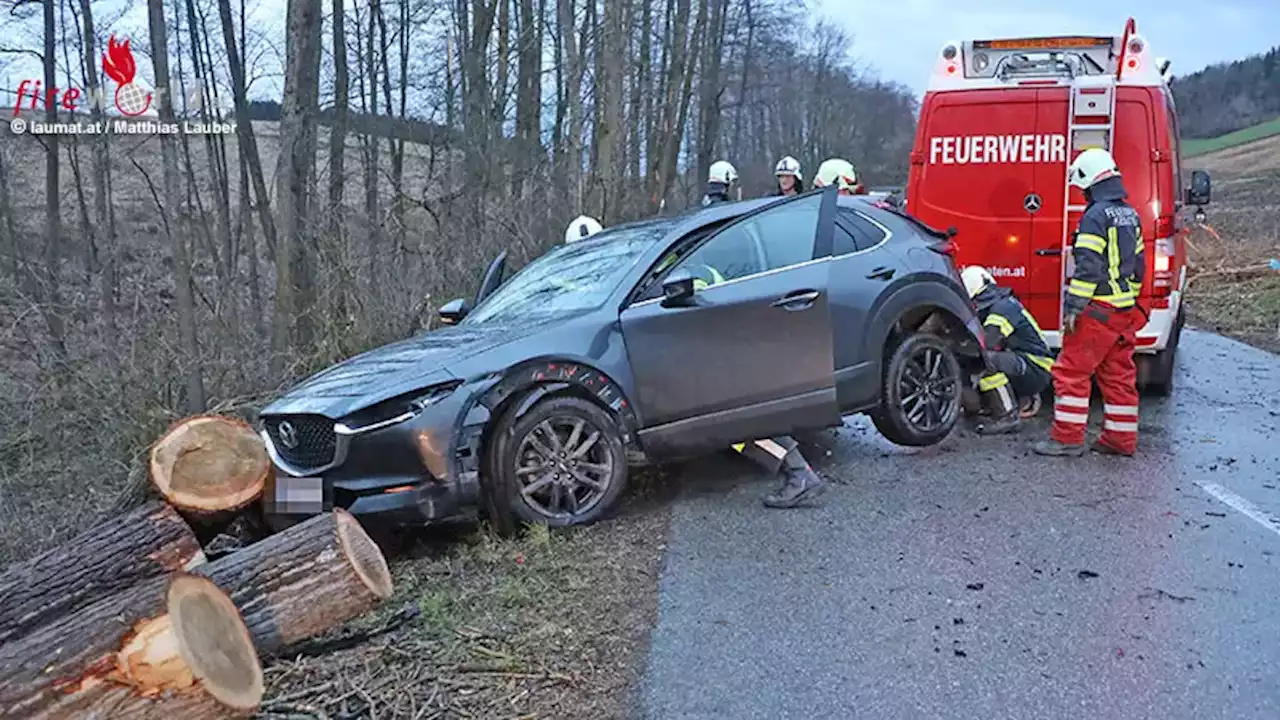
(214, 642)
(366, 557)
(210, 463)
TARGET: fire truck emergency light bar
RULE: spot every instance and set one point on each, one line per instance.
(1043, 43)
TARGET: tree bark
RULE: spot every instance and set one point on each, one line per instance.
(52, 211)
(106, 559)
(608, 134)
(171, 647)
(190, 352)
(294, 278)
(338, 130)
(244, 126)
(209, 464)
(305, 580)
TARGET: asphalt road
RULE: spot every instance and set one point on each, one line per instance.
(978, 580)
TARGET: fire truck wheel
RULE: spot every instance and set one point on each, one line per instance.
(1158, 372)
(920, 392)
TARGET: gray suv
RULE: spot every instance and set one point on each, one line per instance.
(650, 341)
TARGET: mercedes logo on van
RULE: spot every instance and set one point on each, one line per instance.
(288, 434)
(1032, 203)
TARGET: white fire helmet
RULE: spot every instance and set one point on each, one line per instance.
(583, 226)
(976, 279)
(836, 171)
(1092, 167)
(722, 172)
(789, 166)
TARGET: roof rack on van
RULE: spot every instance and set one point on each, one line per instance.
(1056, 60)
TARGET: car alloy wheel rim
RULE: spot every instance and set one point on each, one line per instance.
(564, 467)
(927, 387)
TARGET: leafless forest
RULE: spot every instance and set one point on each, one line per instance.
(143, 278)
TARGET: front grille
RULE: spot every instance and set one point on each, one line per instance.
(312, 438)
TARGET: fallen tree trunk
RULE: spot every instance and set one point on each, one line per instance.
(106, 559)
(209, 464)
(304, 580)
(168, 648)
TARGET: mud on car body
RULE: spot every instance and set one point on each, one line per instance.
(602, 354)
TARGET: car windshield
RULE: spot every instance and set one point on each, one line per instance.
(571, 278)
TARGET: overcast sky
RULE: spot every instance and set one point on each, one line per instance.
(901, 38)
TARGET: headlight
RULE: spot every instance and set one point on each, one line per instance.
(396, 410)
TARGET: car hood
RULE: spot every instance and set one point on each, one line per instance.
(392, 370)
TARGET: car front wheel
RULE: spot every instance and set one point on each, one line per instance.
(920, 397)
(561, 463)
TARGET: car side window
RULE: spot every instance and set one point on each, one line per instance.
(854, 233)
(775, 238)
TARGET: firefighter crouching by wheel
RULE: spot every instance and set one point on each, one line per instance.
(1100, 316)
(1017, 353)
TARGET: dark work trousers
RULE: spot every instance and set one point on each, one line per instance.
(1025, 377)
(774, 453)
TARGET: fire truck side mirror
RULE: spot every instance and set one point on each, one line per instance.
(1199, 192)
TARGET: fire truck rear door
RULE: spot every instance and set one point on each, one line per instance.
(976, 178)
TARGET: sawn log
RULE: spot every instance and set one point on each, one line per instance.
(171, 647)
(106, 559)
(304, 580)
(209, 464)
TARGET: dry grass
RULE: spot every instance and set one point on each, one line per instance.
(553, 624)
(1232, 290)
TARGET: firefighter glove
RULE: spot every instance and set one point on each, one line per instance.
(1069, 322)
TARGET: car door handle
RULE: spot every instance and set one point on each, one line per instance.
(883, 272)
(798, 300)
(1049, 251)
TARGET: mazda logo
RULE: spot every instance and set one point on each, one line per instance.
(1032, 202)
(288, 434)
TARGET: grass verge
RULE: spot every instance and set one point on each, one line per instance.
(1200, 146)
(1246, 309)
(550, 624)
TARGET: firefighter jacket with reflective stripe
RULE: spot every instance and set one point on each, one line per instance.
(1107, 250)
(1007, 325)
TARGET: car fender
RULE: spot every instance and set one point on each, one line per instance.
(915, 294)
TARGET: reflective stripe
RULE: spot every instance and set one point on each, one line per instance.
(1124, 427)
(772, 448)
(1071, 401)
(1122, 300)
(1080, 288)
(993, 381)
(1113, 260)
(1120, 409)
(1089, 241)
(1044, 362)
(1001, 322)
(1031, 319)
(1070, 417)
(739, 446)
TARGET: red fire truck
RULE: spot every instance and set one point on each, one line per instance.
(1001, 122)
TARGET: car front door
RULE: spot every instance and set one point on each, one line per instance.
(750, 355)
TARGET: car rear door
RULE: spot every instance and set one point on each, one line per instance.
(750, 356)
(973, 170)
(862, 269)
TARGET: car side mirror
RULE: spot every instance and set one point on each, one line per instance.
(1199, 192)
(454, 310)
(677, 289)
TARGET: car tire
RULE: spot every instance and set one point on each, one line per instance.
(920, 353)
(519, 448)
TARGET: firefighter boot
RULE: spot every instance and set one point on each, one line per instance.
(799, 483)
(1053, 448)
(1003, 407)
(1100, 447)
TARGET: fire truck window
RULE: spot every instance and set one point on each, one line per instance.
(854, 233)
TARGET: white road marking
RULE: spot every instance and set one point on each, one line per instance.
(1253, 512)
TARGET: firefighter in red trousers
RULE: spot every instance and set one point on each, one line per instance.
(1100, 316)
